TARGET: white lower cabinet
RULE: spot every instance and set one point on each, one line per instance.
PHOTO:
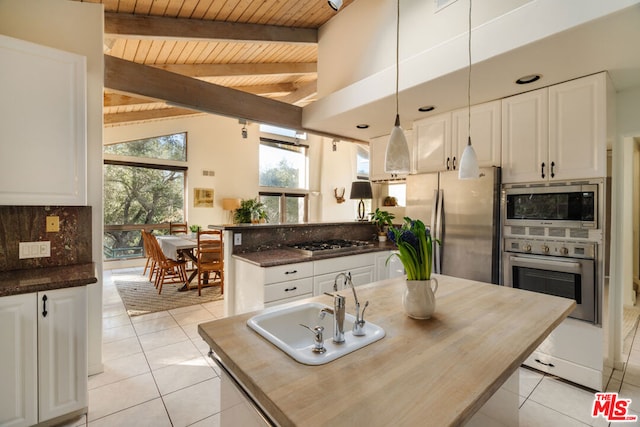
(259, 287)
(387, 266)
(44, 364)
(573, 351)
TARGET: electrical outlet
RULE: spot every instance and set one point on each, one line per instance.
(34, 250)
(53, 224)
(237, 239)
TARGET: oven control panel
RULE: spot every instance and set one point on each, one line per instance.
(586, 250)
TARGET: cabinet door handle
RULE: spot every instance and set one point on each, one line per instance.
(542, 169)
(291, 272)
(552, 172)
(448, 161)
(44, 306)
(291, 289)
(454, 163)
(551, 365)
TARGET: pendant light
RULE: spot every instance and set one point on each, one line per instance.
(469, 161)
(397, 155)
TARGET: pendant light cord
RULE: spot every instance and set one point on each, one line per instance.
(469, 82)
(397, 57)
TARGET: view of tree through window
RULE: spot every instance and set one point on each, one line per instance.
(139, 194)
(283, 166)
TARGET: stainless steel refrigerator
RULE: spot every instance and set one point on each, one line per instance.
(465, 216)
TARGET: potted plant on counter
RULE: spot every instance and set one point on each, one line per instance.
(382, 220)
(415, 249)
(250, 211)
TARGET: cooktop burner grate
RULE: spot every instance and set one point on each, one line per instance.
(328, 246)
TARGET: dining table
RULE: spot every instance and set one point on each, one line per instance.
(182, 247)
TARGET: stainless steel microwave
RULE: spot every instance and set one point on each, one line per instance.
(566, 205)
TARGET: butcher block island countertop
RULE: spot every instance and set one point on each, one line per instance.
(435, 372)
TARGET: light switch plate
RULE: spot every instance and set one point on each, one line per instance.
(237, 239)
(34, 250)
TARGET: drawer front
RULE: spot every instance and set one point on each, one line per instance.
(287, 272)
(343, 263)
(359, 276)
(292, 288)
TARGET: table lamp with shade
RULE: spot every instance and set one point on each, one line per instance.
(230, 205)
(361, 190)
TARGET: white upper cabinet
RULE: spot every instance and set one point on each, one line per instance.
(441, 139)
(525, 136)
(485, 132)
(43, 121)
(556, 133)
(578, 128)
(377, 150)
(433, 148)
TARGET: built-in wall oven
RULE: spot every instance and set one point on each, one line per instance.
(552, 239)
(565, 269)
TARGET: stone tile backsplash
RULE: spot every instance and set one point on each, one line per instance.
(71, 245)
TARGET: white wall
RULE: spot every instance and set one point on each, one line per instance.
(371, 48)
(628, 130)
(78, 28)
(215, 143)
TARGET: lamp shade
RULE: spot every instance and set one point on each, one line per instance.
(397, 159)
(230, 204)
(361, 190)
(469, 163)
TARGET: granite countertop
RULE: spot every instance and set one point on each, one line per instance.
(274, 257)
(247, 226)
(16, 282)
(433, 372)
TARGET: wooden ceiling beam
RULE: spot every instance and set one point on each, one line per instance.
(112, 99)
(235, 70)
(145, 27)
(140, 116)
(302, 93)
(183, 91)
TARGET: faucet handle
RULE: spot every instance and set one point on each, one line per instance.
(318, 339)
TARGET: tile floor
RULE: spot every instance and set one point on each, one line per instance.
(156, 373)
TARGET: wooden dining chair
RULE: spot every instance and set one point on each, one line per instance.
(210, 258)
(178, 228)
(151, 262)
(168, 270)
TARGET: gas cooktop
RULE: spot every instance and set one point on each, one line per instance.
(318, 247)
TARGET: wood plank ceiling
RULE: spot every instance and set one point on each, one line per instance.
(266, 48)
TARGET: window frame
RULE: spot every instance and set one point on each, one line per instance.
(149, 163)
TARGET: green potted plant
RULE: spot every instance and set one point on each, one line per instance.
(382, 220)
(250, 210)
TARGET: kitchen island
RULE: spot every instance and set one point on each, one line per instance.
(434, 372)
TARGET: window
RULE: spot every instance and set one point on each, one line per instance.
(144, 187)
(283, 165)
(362, 162)
(399, 191)
(275, 130)
(285, 207)
(284, 180)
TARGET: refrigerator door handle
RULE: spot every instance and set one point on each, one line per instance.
(433, 229)
(437, 233)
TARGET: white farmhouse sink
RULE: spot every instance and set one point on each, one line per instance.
(281, 327)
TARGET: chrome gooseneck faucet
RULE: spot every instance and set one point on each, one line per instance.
(358, 326)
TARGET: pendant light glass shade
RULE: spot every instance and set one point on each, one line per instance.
(396, 159)
(469, 161)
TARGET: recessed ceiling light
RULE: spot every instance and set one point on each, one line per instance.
(525, 80)
(362, 126)
(426, 108)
